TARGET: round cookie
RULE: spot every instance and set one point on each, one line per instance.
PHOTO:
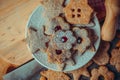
(83, 41)
(102, 71)
(78, 12)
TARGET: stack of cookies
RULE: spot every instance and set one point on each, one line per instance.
(60, 38)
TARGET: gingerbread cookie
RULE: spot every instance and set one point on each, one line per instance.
(53, 75)
(102, 57)
(55, 25)
(63, 40)
(102, 71)
(36, 39)
(83, 41)
(43, 78)
(53, 8)
(81, 71)
(115, 59)
(60, 57)
(78, 12)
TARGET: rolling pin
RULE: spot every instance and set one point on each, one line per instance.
(108, 30)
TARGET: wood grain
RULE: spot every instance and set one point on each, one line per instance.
(14, 15)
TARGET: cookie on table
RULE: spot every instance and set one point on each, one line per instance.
(115, 58)
(37, 40)
(55, 25)
(78, 12)
(102, 71)
(102, 57)
(83, 40)
(53, 8)
(81, 71)
(54, 75)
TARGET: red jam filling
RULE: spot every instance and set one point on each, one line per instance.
(57, 28)
(58, 52)
(64, 39)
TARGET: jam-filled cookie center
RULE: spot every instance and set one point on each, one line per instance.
(57, 28)
(64, 39)
(58, 52)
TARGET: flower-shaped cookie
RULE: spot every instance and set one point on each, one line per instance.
(83, 41)
(78, 12)
(55, 25)
(60, 57)
(63, 40)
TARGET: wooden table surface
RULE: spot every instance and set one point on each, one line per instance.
(14, 15)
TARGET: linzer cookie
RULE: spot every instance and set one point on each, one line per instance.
(53, 8)
(83, 41)
(59, 56)
(63, 40)
(78, 12)
(102, 57)
(55, 25)
(115, 59)
(102, 71)
(53, 75)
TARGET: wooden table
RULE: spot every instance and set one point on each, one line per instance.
(14, 15)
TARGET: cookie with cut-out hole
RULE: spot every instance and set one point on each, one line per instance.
(102, 71)
(83, 40)
(78, 12)
(59, 57)
(63, 40)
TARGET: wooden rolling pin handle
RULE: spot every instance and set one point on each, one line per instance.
(112, 11)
